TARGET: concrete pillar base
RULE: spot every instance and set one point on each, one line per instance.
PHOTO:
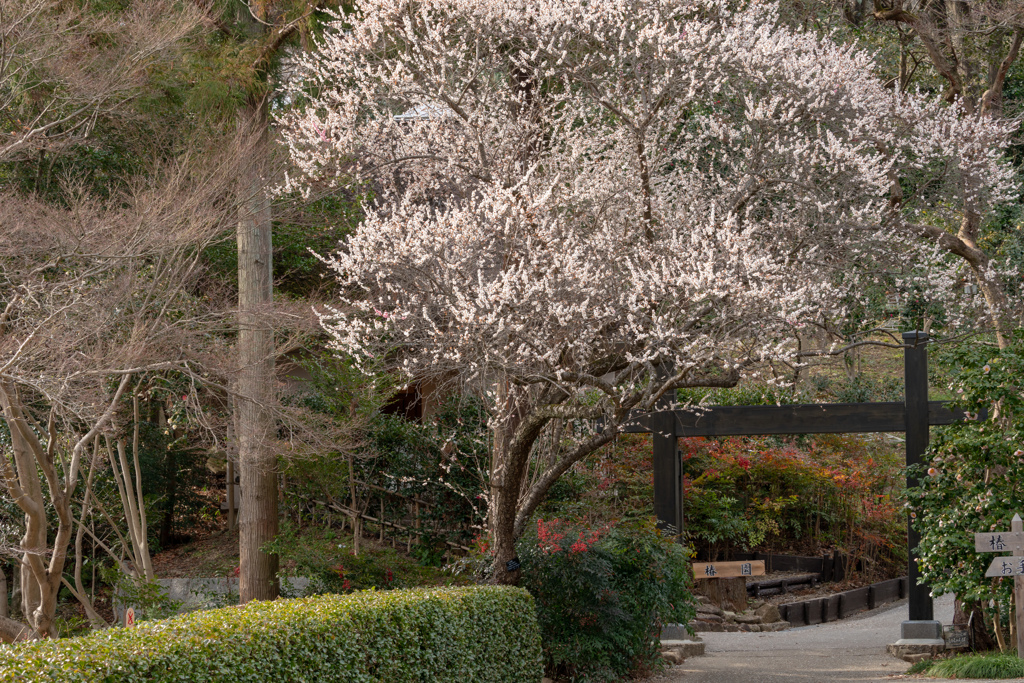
(917, 630)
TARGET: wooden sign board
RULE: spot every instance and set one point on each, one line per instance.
(727, 570)
(1011, 565)
(998, 541)
(129, 617)
(956, 637)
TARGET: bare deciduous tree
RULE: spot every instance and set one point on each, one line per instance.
(57, 79)
(93, 296)
(60, 345)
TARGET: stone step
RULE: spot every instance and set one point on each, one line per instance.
(684, 647)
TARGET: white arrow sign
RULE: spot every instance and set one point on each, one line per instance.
(1012, 565)
(998, 541)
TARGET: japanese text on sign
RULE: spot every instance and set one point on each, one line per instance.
(998, 541)
(728, 570)
(1006, 566)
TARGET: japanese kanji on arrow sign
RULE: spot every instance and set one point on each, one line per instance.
(1006, 566)
(1010, 565)
(996, 542)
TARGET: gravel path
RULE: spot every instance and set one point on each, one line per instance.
(849, 650)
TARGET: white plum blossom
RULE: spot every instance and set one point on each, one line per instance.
(581, 206)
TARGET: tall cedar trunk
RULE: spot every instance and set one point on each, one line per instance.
(5, 611)
(257, 463)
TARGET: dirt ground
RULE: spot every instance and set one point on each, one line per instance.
(213, 555)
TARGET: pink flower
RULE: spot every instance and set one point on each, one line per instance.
(932, 472)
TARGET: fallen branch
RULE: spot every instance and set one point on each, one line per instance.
(12, 631)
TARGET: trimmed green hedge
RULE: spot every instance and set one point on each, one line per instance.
(462, 635)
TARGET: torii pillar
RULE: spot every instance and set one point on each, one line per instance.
(921, 628)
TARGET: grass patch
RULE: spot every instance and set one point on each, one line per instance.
(920, 667)
(992, 665)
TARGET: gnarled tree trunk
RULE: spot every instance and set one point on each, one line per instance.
(509, 460)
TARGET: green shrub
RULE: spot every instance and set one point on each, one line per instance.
(978, 666)
(602, 596)
(481, 633)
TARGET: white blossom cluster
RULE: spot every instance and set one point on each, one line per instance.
(570, 193)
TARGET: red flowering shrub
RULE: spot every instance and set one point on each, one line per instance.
(602, 595)
(828, 491)
(806, 496)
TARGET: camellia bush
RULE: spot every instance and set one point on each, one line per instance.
(973, 478)
(603, 594)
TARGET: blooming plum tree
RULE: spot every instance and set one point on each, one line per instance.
(583, 206)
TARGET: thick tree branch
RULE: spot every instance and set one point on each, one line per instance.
(942, 65)
(535, 496)
(990, 101)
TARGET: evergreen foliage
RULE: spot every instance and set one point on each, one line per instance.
(971, 480)
(464, 635)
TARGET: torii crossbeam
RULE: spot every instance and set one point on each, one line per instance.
(913, 416)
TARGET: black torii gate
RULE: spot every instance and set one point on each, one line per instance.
(913, 416)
